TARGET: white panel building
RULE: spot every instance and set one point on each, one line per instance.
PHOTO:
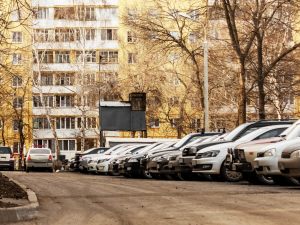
(75, 52)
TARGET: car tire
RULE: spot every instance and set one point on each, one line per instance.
(146, 174)
(231, 176)
(255, 178)
(285, 181)
(185, 176)
(155, 176)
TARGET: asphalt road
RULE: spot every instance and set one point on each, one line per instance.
(75, 199)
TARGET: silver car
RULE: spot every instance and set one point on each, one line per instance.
(39, 158)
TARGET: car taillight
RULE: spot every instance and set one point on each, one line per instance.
(29, 158)
(50, 157)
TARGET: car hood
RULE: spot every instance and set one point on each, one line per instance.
(291, 148)
(261, 142)
(221, 147)
(280, 146)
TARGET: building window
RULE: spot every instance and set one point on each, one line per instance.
(154, 123)
(174, 122)
(64, 35)
(89, 79)
(41, 123)
(65, 79)
(42, 13)
(109, 56)
(43, 143)
(17, 37)
(17, 81)
(62, 56)
(109, 34)
(41, 35)
(66, 145)
(89, 56)
(88, 123)
(48, 101)
(44, 57)
(64, 101)
(196, 123)
(16, 125)
(85, 34)
(17, 59)
(46, 79)
(86, 13)
(64, 13)
(90, 34)
(131, 58)
(174, 101)
(65, 123)
(18, 102)
(131, 38)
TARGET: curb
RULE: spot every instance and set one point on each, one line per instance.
(21, 213)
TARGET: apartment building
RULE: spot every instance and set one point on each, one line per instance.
(76, 53)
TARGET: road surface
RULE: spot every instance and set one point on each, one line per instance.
(75, 199)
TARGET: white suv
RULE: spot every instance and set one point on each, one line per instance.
(6, 158)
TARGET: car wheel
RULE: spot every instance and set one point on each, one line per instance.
(146, 174)
(228, 175)
(184, 176)
(285, 181)
(155, 176)
(255, 178)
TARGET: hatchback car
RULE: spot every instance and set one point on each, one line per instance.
(39, 158)
(6, 158)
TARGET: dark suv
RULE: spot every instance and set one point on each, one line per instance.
(6, 158)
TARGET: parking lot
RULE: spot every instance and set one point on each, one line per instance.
(74, 198)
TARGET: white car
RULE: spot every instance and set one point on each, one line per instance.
(266, 162)
(211, 160)
(6, 158)
(103, 165)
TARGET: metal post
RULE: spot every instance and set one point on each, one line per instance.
(101, 138)
(205, 81)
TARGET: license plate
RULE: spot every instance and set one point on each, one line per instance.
(128, 168)
(233, 167)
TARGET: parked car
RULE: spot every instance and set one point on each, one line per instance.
(74, 163)
(185, 167)
(289, 163)
(211, 160)
(103, 165)
(133, 167)
(39, 158)
(6, 158)
(155, 160)
(242, 158)
(266, 162)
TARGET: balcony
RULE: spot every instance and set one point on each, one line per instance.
(47, 3)
(54, 89)
(67, 67)
(64, 112)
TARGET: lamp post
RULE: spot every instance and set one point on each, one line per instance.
(101, 137)
(205, 67)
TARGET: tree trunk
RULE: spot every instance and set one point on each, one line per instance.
(242, 114)
(260, 78)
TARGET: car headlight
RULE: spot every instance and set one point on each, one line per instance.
(89, 161)
(193, 150)
(270, 152)
(295, 154)
(208, 154)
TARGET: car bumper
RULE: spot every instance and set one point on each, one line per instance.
(242, 167)
(267, 166)
(206, 166)
(92, 167)
(185, 165)
(39, 165)
(102, 168)
(133, 168)
(159, 167)
(290, 167)
(5, 164)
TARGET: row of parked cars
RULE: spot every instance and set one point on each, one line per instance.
(266, 152)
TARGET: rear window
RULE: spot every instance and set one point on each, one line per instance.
(40, 151)
(5, 150)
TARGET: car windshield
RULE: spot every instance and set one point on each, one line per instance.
(292, 132)
(235, 132)
(39, 151)
(5, 150)
(187, 138)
